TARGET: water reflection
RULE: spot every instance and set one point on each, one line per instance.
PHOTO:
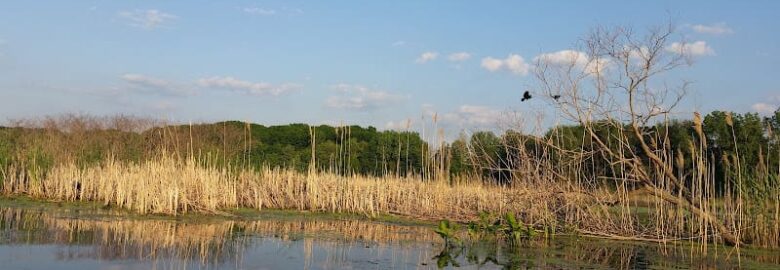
(296, 243)
(583, 253)
(47, 239)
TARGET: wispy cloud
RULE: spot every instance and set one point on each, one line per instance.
(358, 97)
(247, 87)
(148, 84)
(427, 57)
(473, 115)
(459, 56)
(153, 85)
(467, 116)
(399, 43)
(259, 11)
(713, 29)
(406, 124)
(513, 63)
(148, 19)
(764, 108)
(698, 48)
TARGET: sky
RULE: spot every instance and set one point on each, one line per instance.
(379, 63)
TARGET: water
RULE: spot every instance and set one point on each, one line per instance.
(46, 238)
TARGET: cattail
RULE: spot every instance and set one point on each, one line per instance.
(691, 147)
(697, 126)
(729, 119)
(679, 160)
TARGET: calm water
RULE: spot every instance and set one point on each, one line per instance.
(32, 238)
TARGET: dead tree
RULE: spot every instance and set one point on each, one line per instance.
(616, 78)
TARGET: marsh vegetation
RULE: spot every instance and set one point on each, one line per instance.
(46, 235)
(620, 163)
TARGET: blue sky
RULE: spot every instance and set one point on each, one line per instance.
(370, 63)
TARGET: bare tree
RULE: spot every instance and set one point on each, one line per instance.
(617, 79)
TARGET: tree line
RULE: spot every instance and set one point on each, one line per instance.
(745, 144)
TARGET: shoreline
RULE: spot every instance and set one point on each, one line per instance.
(235, 214)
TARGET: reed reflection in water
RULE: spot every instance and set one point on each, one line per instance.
(49, 239)
(296, 243)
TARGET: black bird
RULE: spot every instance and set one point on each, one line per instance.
(526, 96)
(556, 97)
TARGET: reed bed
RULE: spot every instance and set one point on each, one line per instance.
(172, 186)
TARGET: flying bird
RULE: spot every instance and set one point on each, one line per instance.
(526, 96)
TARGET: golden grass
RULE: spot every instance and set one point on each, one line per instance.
(173, 186)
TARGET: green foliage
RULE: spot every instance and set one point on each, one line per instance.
(448, 232)
(368, 151)
(508, 228)
(486, 226)
(344, 150)
(448, 257)
(517, 231)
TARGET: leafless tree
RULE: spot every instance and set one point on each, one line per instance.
(617, 78)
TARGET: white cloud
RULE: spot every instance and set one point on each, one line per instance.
(638, 53)
(564, 57)
(516, 64)
(765, 108)
(492, 64)
(155, 85)
(247, 87)
(714, 29)
(573, 58)
(148, 19)
(358, 97)
(259, 11)
(459, 56)
(513, 63)
(768, 107)
(427, 57)
(698, 48)
(399, 43)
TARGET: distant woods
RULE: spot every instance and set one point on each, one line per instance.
(87, 140)
(501, 158)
